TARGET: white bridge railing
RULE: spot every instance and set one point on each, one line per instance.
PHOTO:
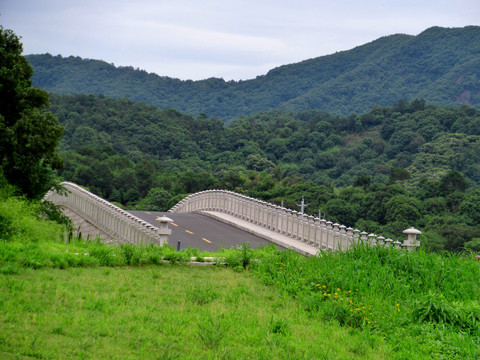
(113, 221)
(318, 232)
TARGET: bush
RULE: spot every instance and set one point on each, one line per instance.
(433, 307)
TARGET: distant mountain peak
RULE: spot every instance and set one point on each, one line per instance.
(380, 72)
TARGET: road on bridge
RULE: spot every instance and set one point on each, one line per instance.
(201, 231)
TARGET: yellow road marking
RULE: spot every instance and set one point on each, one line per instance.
(188, 231)
(146, 212)
(173, 224)
(208, 241)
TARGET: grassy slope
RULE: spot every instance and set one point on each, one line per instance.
(164, 312)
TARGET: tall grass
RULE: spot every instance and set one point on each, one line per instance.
(424, 305)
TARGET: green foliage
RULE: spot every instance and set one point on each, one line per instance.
(157, 199)
(240, 258)
(28, 133)
(473, 244)
(394, 293)
(451, 182)
(54, 213)
(432, 307)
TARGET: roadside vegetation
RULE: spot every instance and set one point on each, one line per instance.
(85, 299)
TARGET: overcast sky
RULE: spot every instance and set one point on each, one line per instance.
(231, 39)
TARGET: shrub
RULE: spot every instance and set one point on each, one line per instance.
(433, 307)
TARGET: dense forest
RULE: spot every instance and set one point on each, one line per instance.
(440, 65)
(410, 164)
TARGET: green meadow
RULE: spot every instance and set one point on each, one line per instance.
(164, 312)
(85, 300)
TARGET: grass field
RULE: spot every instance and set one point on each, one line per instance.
(164, 312)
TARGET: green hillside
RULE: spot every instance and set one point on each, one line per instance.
(409, 164)
(440, 65)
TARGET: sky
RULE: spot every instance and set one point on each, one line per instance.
(229, 39)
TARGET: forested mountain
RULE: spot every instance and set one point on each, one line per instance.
(440, 65)
(409, 164)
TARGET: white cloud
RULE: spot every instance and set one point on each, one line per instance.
(231, 39)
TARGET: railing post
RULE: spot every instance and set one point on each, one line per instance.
(356, 236)
(349, 237)
(317, 238)
(371, 240)
(342, 244)
(380, 241)
(311, 230)
(277, 218)
(295, 224)
(336, 236)
(363, 237)
(411, 243)
(329, 242)
(164, 231)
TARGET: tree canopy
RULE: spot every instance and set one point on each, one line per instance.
(29, 133)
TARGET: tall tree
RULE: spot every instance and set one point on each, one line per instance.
(29, 134)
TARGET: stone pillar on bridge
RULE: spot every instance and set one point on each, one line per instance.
(164, 231)
(411, 243)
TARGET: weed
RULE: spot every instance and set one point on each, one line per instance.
(246, 255)
(202, 295)
(7, 229)
(170, 353)
(156, 274)
(212, 330)
(131, 253)
(433, 307)
(279, 327)
(10, 268)
(58, 330)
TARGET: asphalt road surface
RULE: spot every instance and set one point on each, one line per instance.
(201, 232)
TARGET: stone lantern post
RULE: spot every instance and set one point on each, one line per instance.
(163, 230)
(411, 243)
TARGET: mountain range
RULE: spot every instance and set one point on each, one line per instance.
(440, 65)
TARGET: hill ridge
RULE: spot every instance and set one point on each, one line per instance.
(439, 65)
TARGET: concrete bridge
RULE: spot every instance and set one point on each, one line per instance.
(287, 228)
(95, 217)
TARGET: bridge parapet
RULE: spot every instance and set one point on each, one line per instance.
(318, 232)
(116, 223)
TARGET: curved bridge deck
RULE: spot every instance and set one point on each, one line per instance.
(204, 232)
